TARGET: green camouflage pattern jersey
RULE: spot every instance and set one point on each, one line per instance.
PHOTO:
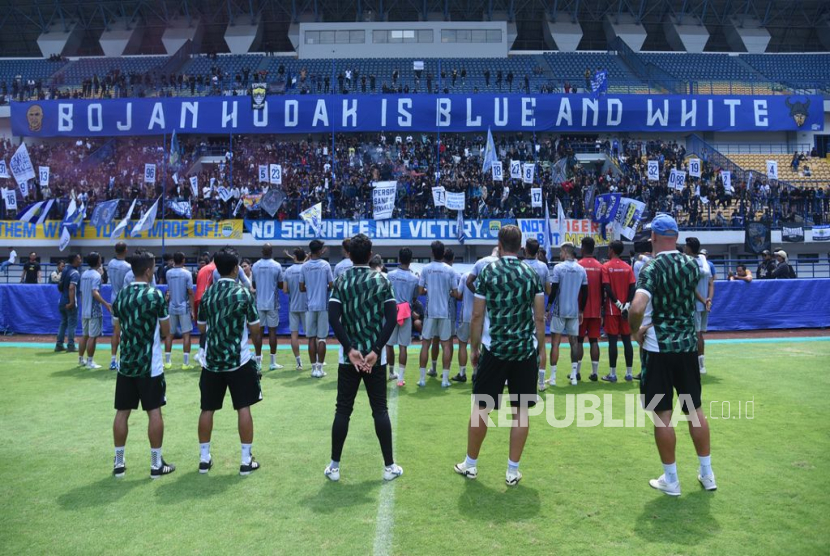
(138, 308)
(509, 288)
(227, 308)
(670, 279)
(362, 293)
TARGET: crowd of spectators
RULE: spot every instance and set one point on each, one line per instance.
(339, 173)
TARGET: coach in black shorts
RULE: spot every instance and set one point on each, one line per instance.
(139, 319)
(662, 314)
(226, 313)
(511, 349)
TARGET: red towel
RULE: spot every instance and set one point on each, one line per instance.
(404, 312)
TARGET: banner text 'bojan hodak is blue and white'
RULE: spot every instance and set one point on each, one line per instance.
(417, 113)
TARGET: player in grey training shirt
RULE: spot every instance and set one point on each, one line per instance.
(267, 275)
(568, 296)
(405, 285)
(181, 306)
(346, 263)
(316, 280)
(704, 292)
(438, 281)
(463, 330)
(117, 270)
(241, 279)
(532, 260)
(91, 314)
(479, 266)
(297, 300)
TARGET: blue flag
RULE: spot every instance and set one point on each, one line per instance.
(104, 213)
(37, 210)
(175, 157)
(74, 216)
(599, 83)
(182, 208)
(489, 153)
(605, 210)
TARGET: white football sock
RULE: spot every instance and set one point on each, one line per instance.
(613, 371)
(246, 454)
(273, 358)
(119, 456)
(670, 469)
(167, 356)
(423, 373)
(299, 360)
(462, 371)
(186, 358)
(594, 367)
(705, 465)
(259, 360)
(445, 376)
(628, 371)
(574, 369)
(112, 359)
(700, 361)
(553, 372)
(400, 372)
(155, 458)
(541, 375)
(204, 451)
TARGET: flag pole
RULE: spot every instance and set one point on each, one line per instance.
(164, 155)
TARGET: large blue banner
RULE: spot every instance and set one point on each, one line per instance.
(427, 113)
(415, 230)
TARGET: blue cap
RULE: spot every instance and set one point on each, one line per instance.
(664, 225)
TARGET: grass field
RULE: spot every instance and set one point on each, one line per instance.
(584, 491)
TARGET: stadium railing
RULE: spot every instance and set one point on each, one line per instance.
(761, 148)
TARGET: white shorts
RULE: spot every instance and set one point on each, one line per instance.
(93, 326)
(701, 321)
(402, 335)
(442, 328)
(317, 324)
(463, 332)
(183, 321)
(294, 320)
(565, 326)
(269, 318)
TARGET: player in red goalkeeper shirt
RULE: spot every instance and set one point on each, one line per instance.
(619, 285)
(592, 318)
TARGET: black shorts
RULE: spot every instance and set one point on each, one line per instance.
(492, 372)
(243, 384)
(149, 390)
(663, 373)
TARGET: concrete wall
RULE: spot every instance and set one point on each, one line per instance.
(434, 49)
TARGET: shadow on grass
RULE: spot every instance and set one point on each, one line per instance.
(684, 520)
(101, 493)
(193, 485)
(334, 497)
(481, 502)
(82, 372)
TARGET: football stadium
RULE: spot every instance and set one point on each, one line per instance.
(276, 276)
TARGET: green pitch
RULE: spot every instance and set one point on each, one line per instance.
(584, 490)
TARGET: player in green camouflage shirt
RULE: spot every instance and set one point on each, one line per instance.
(509, 322)
(662, 314)
(227, 312)
(363, 314)
(140, 322)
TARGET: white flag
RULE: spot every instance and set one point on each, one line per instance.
(4, 170)
(497, 171)
(224, 193)
(677, 179)
(515, 170)
(455, 201)
(528, 171)
(726, 178)
(149, 173)
(275, 174)
(263, 173)
(439, 196)
(116, 233)
(146, 222)
(536, 197)
(194, 186)
(10, 198)
(772, 169)
(383, 199)
(24, 188)
(43, 173)
(694, 167)
(21, 165)
(313, 216)
(176, 178)
(65, 237)
(653, 170)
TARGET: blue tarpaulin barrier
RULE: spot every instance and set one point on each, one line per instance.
(762, 304)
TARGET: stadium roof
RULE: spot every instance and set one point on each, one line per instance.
(795, 25)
